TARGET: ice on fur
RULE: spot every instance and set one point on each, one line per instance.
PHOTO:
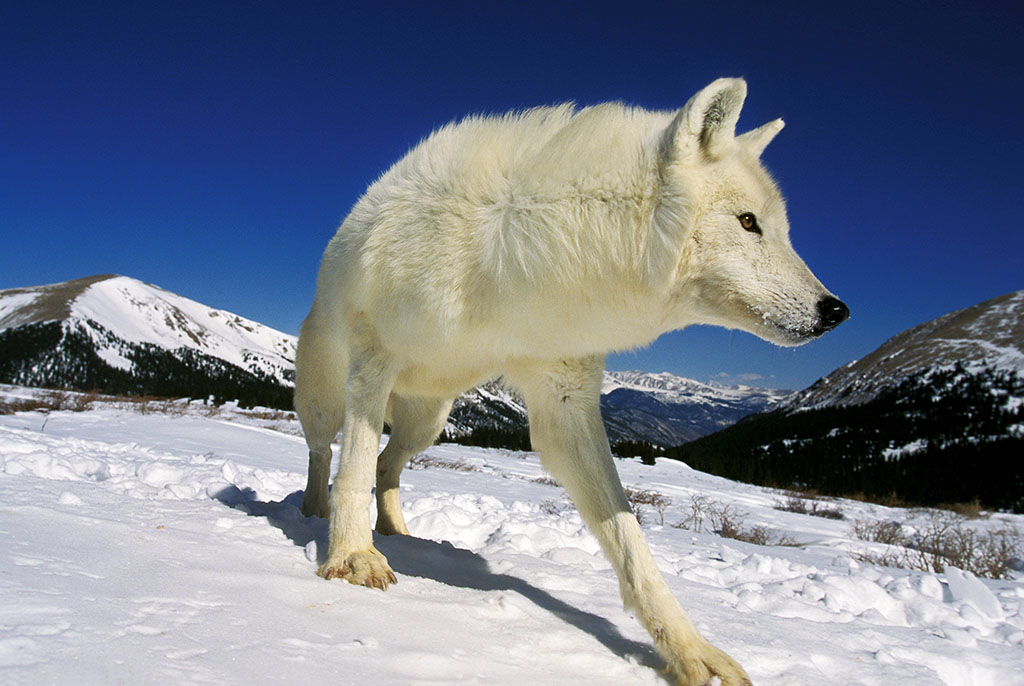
(529, 246)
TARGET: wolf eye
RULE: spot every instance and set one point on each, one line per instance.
(749, 222)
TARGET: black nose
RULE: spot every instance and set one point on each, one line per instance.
(831, 313)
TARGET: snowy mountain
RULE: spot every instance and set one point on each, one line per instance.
(987, 336)
(143, 548)
(119, 335)
(660, 408)
(668, 410)
(489, 415)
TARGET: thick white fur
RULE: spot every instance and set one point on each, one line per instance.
(529, 246)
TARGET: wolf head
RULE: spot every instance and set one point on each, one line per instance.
(737, 266)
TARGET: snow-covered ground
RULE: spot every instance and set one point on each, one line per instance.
(143, 548)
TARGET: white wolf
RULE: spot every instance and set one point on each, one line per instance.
(529, 246)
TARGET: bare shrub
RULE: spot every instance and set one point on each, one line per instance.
(971, 510)
(827, 512)
(763, 535)
(944, 539)
(721, 518)
(758, 535)
(792, 504)
(550, 507)
(429, 462)
(56, 400)
(23, 405)
(816, 508)
(805, 494)
(69, 401)
(887, 532)
(697, 513)
(211, 410)
(727, 521)
(638, 498)
(269, 414)
(50, 401)
(148, 404)
(544, 481)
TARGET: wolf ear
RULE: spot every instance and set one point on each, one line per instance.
(757, 140)
(707, 123)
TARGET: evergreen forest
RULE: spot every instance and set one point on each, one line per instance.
(49, 355)
(943, 437)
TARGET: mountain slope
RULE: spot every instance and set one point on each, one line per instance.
(117, 334)
(989, 335)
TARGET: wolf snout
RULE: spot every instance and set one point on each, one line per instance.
(831, 313)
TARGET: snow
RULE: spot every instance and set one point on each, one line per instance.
(966, 587)
(12, 305)
(141, 313)
(911, 448)
(169, 548)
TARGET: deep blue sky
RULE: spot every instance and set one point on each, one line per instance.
(213, 148)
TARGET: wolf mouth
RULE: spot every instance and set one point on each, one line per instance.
(830, 313)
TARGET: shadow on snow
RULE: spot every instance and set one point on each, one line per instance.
(440, 562)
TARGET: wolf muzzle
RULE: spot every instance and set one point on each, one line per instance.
(831, 313)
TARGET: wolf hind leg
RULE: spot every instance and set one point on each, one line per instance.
(563, 404)
(321, 368)
(415, 423)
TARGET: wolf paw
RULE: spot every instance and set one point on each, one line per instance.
(315, 507)
(700, 665)
(366, 568)
(389, 527)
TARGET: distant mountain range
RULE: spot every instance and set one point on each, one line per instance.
(661, 409)
(667, 410)
(116, 334)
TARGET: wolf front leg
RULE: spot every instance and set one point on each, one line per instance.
(350, 553)
(563, 402)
